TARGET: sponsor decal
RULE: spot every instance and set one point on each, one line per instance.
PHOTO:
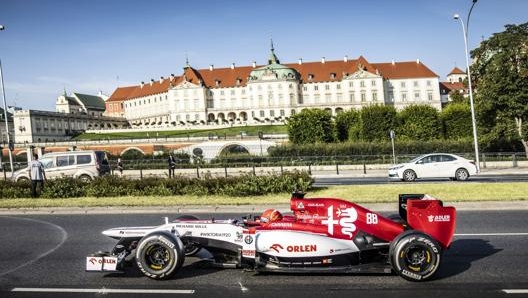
(187, 226)
(281, 225)
(295, 248)
(411, 275)
(248, 253)
(212, 234)
(248, 239)
(239, 237)
(315, 205)
(101, 263)
(300, 206)
(166, 242)
(439, 218)
(344, 218)
(276, 247)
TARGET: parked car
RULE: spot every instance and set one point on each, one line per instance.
(435, 165)
(84, 165)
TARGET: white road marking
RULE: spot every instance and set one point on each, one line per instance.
(516, 291)
(101, 291)
(492, 234)
(64, 237)
(242, 288)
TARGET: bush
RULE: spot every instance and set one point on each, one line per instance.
(114, 186)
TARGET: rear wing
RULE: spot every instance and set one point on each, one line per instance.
(427, 214)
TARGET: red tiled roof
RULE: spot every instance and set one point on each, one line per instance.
(227, 77)
(404, 70)
(237, 76)
(321, 72)
(121, 93)
(457, 70)
(450, 86)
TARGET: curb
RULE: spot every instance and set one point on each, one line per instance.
(249, 209)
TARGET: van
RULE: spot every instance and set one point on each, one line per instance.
(84, 165)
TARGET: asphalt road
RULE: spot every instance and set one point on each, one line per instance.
(43, 256)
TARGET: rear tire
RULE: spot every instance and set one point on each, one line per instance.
(159, 255)
(85, 178)
(461, 174)
(415, 256)
(409, 175)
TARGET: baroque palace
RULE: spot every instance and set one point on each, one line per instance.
(273, 92)
(239, 95)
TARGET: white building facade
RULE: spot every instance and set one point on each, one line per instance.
(271, 93)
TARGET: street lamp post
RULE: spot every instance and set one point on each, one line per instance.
(471, 102)
(5, 115)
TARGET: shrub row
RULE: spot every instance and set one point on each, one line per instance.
(114, 186)
(372, 148)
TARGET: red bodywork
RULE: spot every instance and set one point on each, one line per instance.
(343, 220)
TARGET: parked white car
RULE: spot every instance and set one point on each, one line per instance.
(434, 165)
(83, 165)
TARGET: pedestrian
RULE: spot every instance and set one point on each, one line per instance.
(37, 175)
(120, 166)
(172, 165)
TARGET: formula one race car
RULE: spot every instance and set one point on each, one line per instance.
(321, 235)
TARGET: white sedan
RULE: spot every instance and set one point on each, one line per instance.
(435, 165)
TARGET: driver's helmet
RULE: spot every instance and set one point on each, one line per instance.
(270, 215)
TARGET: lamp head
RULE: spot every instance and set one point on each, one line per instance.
(456, 16)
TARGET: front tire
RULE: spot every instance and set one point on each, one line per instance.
(159, 255)
(415, 256)
(409, 175)
(461, 174)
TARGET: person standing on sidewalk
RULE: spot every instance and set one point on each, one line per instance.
(172, 165)
(37, 175)
(120, 166)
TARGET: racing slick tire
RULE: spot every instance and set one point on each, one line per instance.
(190, 248)
(159, 255)
(415, 256)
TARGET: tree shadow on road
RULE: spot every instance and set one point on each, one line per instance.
(462, 253)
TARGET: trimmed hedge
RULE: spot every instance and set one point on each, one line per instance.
(114, 186)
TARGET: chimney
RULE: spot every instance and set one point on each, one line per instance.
(300, 61)
(232, 65)
(172, 76)
(142, 84)
(254, 64)
(393, 63)
(211, 67)
(323, 60)
(151, 82)
(161, 79)
(417, 61)
(345, 59)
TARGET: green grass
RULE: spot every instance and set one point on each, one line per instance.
(384, 193)
(220, 132)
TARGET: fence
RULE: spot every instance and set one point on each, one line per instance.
(358, 164)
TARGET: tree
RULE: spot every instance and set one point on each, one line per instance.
(456, 119)
(345, 123)
(500, 71)
(311, 126)
(419, 122)
(376, 122)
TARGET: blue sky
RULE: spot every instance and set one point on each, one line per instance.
(49, 46)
